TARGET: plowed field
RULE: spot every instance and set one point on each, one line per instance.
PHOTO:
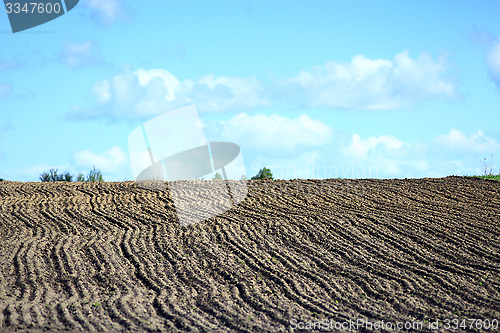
(292, 254)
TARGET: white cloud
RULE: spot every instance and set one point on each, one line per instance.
(275, 134)
(392, 167)
(106, 11)
(383, 156)
(113, 164)
(76, 54)
(33, 172)
(112, 161)
(145, 93)
(361, 84)
(421, 165)
(493, 61)
(372, 84)
(101, 91)
(170, 82)
(452, 153)
(360, 148)
(228, 93)
(455, 140)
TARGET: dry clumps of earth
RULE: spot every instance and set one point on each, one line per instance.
(112, 256)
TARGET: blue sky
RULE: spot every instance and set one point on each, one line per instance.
(309, 89)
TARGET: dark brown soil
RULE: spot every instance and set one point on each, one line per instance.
(113, 257)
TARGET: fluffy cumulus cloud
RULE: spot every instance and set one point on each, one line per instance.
(361, 148)
(493, 61)
(28, 174)
(453, 153)
(145, 93)
(387, 167)
(114, 161)
(374, 157)
(77, 54)
(363, 83)
(226, 93)
(113, 164)
(275, 134)
(372, 84)
(383, 156)
(478, 142)
(106, 11)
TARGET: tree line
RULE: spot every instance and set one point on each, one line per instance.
(95, 176)
(52, 176)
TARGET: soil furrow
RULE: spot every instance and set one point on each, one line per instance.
(113, 257)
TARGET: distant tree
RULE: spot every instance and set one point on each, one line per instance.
(243, 177)
(264, 173)
(217, 176)
(52, 176)
(1, 179)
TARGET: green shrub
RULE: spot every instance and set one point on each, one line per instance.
(217, 176)
(52, 176)
(263, 174)
(95, 176)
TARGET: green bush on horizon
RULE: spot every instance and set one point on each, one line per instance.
(217, 176)
(263, 173)
(52, 176)
(94, 176)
